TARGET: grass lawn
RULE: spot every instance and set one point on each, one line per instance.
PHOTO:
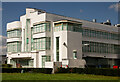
(40, 76)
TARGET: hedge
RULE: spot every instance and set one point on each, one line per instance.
(95, 71)
(29, 70)
(6, 66)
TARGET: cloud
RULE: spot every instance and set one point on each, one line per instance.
(3, 37)
(81, 10)
(116, 6)
(0, 9)
(3, 47)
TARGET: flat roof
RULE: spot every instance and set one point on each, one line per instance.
(70, 21)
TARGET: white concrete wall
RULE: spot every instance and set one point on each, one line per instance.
(23, 24)
(42, 34)
(39, 35)
(64, 63)
(14, 25)
(49, 64)
(28, 12)
(13, 39)
(62, 49)
(37, 18)
(74, 40)
(79, 63)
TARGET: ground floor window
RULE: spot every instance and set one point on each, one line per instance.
(45, 59)
(101, 62)
(21, 63)
(75, 54)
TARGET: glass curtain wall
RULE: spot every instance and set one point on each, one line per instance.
(14, 47)
(41, 43)
(14, 33)
(85, 31)
(68, 27)
(43, 27)
(100, 47)
(99, 34)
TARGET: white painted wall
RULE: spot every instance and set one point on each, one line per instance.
(14, 25)
(49, 64)
(42, 34)
(74, 40)
(62, 49)
(13, 39)
(37, 18)
(23, 24)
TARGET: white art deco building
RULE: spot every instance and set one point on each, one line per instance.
(45, 40)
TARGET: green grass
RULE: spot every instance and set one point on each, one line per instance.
(40, 76)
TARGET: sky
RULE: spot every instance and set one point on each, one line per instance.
(11, 11)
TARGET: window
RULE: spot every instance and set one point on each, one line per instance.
(41, 27)
(45, 59)
(99, 34)
(14, 47)
(57, 48)
(14, 33)
(68, 27)
(100, 47)
(41, 43)
(48, 58)
(75, 54)
(27, 40)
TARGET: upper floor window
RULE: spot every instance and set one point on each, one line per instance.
(99, 34)
(41, 44)
(41, 27)
(68, 27)
(14, 33)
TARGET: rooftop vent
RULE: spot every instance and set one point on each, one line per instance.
(107, 22)
(94, 20)
(118, 25)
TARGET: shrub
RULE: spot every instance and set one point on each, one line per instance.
(6, 66)
(42, 70)
(30, 70)
(95, 71)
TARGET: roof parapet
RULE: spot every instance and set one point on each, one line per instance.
(70, 21)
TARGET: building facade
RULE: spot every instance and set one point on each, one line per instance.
(45, 40)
